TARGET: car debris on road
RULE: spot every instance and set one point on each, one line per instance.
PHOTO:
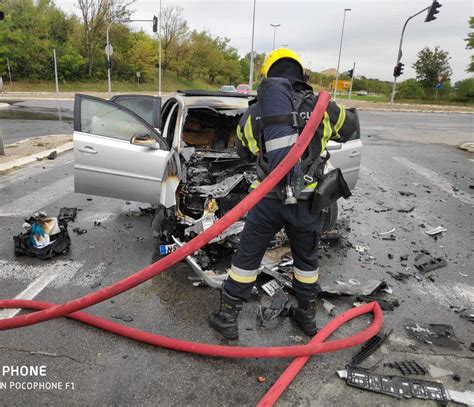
(45, 237)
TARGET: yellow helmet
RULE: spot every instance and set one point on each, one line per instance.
(276, 55)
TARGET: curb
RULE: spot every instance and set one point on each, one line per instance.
(381, 109)
(21, 162)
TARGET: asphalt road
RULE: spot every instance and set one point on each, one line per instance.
(398, 156)
(33, 118)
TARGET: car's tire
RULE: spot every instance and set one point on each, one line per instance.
(329, 217)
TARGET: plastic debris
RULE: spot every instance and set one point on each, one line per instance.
(67, 214)
(425, 263)
(437, 372)
(361, 249)
(271, 287)
(44, 238)
(407, 367)
(329, 307)
(433, 334)
(342, 288)
(261, 379)
(407, 210)
(461, 397)
(387, 232)
(52, 155)
(396, 386)
(435, 231)
(406, 193)
(368, 348)
(79, 231)
(277, 307)
(123, 317)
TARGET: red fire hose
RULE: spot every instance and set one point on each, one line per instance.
(302, 352)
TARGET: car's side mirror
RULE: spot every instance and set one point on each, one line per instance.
(145, 140)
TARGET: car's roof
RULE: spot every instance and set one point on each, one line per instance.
(217, 100)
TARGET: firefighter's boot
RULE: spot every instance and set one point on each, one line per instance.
(305, 315)
(225, 320)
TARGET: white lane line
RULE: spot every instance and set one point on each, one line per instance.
(438, 180)
(48, 274)
(30, 172)
(38, 199)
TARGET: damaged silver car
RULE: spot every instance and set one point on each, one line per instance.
(179, 156)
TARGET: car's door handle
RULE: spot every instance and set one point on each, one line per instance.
(88, 150)
(355, 154)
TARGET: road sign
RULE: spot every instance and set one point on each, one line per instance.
(341, 85)
(138, 74)
(438, 85)
(109, 50)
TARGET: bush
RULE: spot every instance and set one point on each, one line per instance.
(410, 89)
(465, 90)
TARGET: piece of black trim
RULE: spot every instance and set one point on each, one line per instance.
(369, 348)
(407, 367)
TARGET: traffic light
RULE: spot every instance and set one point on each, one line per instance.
(350, 72)
(432, 11)
(108, 63)
(398, 70)
(2, 15)
(155, 24)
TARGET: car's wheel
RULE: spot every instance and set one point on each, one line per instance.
(329, 217)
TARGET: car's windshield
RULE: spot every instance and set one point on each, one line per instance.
(243, 87)
(228, 88)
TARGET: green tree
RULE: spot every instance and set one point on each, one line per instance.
(174, 32)
(470, 44)
(432, 67)
(96, 15)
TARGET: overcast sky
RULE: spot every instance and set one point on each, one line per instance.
(313, 29)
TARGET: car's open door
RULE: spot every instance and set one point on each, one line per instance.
(117, 153)
(347, 156)
(145, 106)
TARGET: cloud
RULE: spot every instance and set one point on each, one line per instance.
(313, 28)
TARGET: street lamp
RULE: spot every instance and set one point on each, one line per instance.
(340, 49)
(251, 52)
(432, 11)
(275, 26)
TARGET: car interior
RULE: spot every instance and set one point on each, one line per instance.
(210, 129)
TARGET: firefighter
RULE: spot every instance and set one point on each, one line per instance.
(265, 134)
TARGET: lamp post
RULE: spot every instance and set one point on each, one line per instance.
(275, 26)
(340, 50)
(251, 52)
(432, 11)
(159, 53)
(108, 52)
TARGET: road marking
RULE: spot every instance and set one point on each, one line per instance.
(32, 171)
(47, 274)
(38, 199)
(438, 180)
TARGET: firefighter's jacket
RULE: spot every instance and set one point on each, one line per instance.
(268, 141)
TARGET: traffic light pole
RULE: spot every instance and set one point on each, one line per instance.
(399, 55)
(109, 80)
(352, 79)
